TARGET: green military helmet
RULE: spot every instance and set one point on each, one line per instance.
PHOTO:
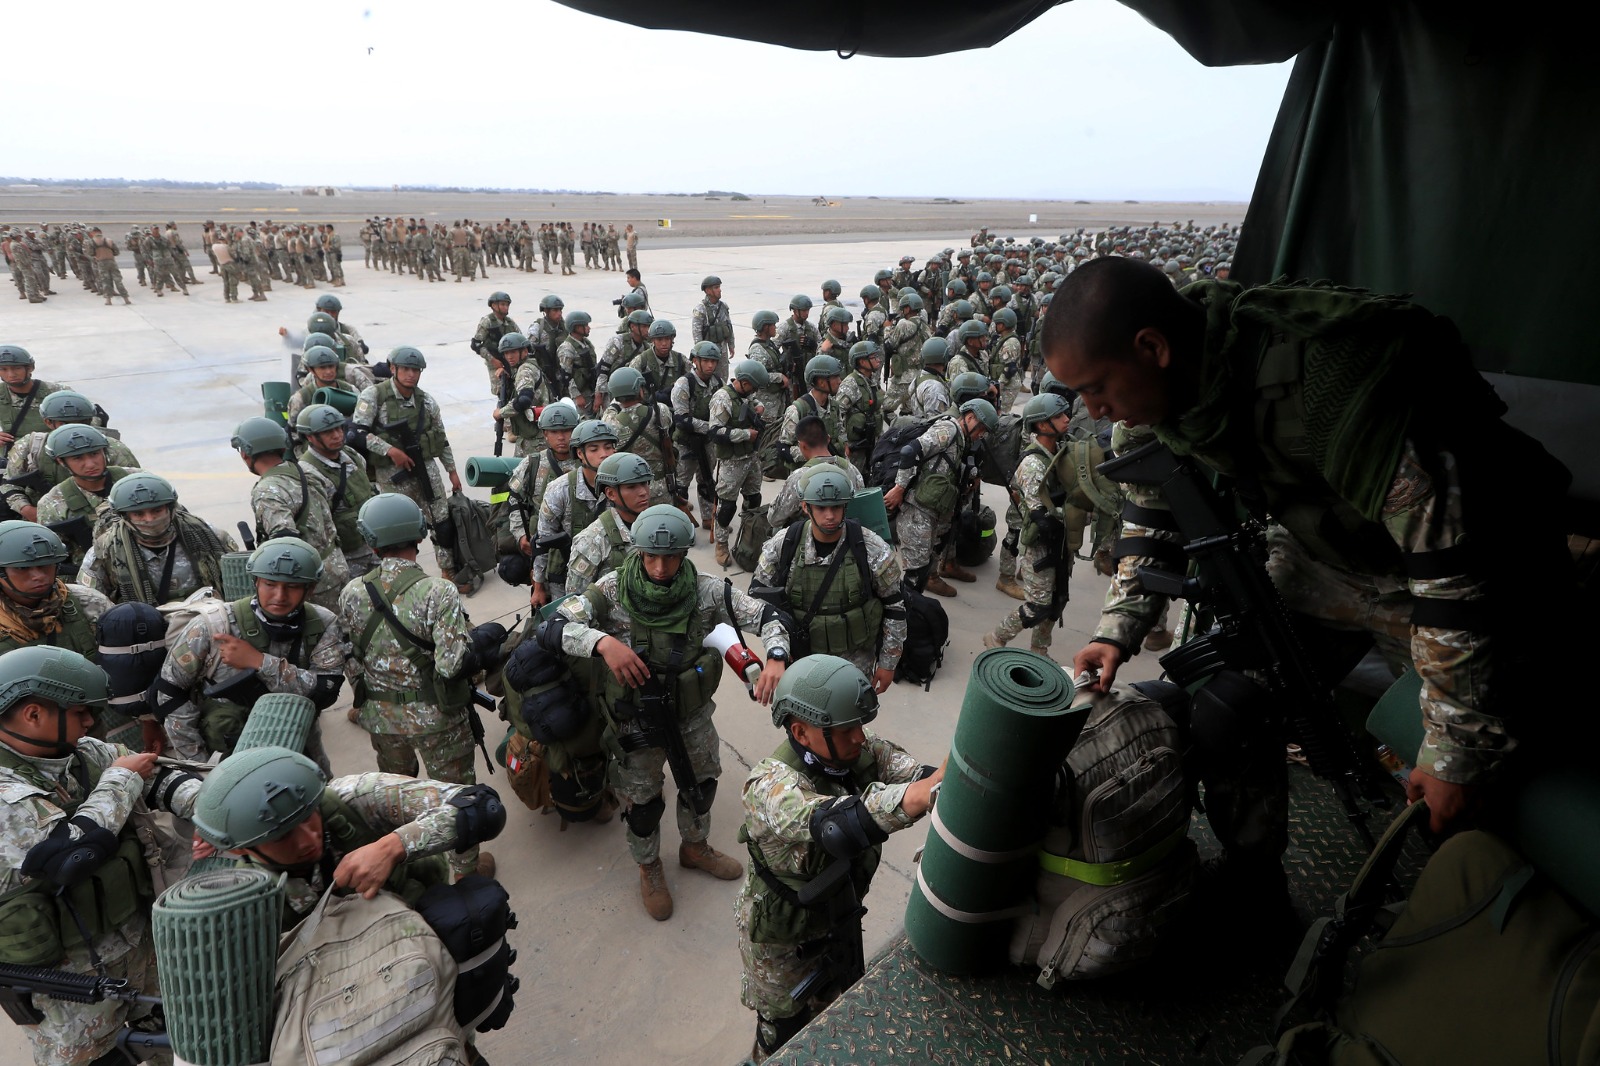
(709, 281)
(837, 314)
(321, 355)
(29, 544)
(551, 303)
(579, 318)
(1001, 293)
(625, 381)
(558, 416)
(499, 298)
(983, 276)
(286, 559)
(256, 796)
(828, 487)
(318, 418)
(633, 301)
(640, 317)
(1048, 383)
(15, 355)
(623, 468)
(822, 366)
(1044, 407)
(871, 292)
(407, 356)
(863, 350)
(1044, 301)
(140, 492)
(910, 301)
(66, 441)
(59, 675)
(1007, 318)
(319, 340)
(662, 328)
(663, 530)
(330, 303)
(591, 430)
(972, 328)
(258, 436)
(985, 412)
(390, 519)
(963, 310)
(800, 302)
(752, 372)
(882, 276)
(705, 350)
(824, 691)
(831, 289)
(512, 342)
(66, 406)
(968, 385)
(957, 288)
(935, 351)
(322, 322)
(1024, 281)
(762, 319)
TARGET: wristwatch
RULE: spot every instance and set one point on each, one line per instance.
(778, 655)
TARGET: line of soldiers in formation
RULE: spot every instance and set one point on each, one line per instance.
(467, 248)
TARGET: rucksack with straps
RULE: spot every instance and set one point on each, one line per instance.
(755, 528)
(974, 532)
(474, 545)
(1001, 450)
(799, 627)
(927, 634)
(885, 461)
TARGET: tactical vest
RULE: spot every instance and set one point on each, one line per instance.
(659, 373)
(938, 484)
(997, 357)
(807, 405)
(699, 407)
(777, 915)
(345, 830)
(611, 526)
(691, 672)
(118, 550)
(1031, 527)
(524, 424)
(221, 721)
(76, 633)
(583, 374)
(580, 516)
(642, 421)
(739, 419)
(719, 330)
(37, 925)
(455, 693)
(428, 432)
(863, 423)
(848, 616)
(79, 505)
(351, 489)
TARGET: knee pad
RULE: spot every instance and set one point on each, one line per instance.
(1012, 540)
(726, 509)
(752, 500)
(1032, 614)
(645, 818)
(708, 793)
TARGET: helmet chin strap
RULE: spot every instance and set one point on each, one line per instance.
(59, 747)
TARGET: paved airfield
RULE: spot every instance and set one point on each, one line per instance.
(601, 982)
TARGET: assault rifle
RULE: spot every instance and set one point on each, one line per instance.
(409, 442)
(1252, 629)
(658, 719)
(507, 393)
(843, 960)
(19, 983)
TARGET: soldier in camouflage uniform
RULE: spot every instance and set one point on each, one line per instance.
(363, 832)
(830, 299)
(69, 798)
(568, 505)
(20, 399)
(28, 472)
(576, 359)
(322, 428)
(548, 331)
(658, 604)
(108, 278)
(248, 255)
(323, 371)
(414, 691)
(486, 338)
(153, 551)
(775, 396)
(534, 474)
(1044, 562)
(72, 506)
(661, 364)
(929, 395)
(290, 499)
(36, 606)
(600, 547)
(711, 321)
(836, 335)
(859, 403)
(903, 342)
(631, 339)
(24, 274)
(406, 443)
(644, 429)
(873, 319)
(812, 438)
(797, 340)
(736, 420)
(859, 613)
(934, 462)
(829, 779)
(691, 428)
(1007, 362)
(162, 267)
(530, 393)
(823, 376)
(233, 653)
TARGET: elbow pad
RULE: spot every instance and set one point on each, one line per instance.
(73, 851)
(549, 633)
(844, 829)
(479, 815)
(911, 454)
(326, 690)
(163, 697)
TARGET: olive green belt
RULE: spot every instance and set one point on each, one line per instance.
(1112, 873)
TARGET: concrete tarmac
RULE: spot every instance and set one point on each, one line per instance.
(601, 982)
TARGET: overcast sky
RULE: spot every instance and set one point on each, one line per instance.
(1089, 101)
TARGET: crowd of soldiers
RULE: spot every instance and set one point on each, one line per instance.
(467, 248)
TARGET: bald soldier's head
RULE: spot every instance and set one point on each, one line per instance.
(1120, 335)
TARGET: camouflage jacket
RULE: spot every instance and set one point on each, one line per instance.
(281, 502)
(887, 575)
(684, 393)
(486, 338)
(590, 556)
(944, 441)
(930, 395)
(873, 323)
(773, 397)
(722, 412)
(14, 420)
(369, 415)
(804, 334)
(711, 322)
(27, 455)
(802, 407)
(620, 351)
(577, 360)
(528, 484)
(99, 573)
(653, 443)
(786, 507)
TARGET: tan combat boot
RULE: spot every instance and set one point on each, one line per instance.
(653, 890)
(939, 587)
(957, 572)
(724, 557)
(700, 855)
(1158, 639)
(1009, 585)
(990, 640)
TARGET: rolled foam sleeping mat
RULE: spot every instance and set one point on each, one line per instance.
(236, 584)
(490, 471)
(275, 400)
(341, 400)
(278, 720)
(216, 937)
(1016, 726)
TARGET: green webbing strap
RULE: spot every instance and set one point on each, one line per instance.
(1106, 874)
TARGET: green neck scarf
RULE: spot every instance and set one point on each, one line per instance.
(666, 608)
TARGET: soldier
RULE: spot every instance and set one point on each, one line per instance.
(929, 395)
(28, 475)
(414, 655)
(711, 322)
(859, 403)
(903, 342)
(534, 474)
(154, 550)
(68, 822)
(836, 335)
(644, 429)
(24, 271)
(662, 364)
(1043, 563)
(164, 270)
(234, 652)
(325, 452)
(831, 792)
(546, 336)
(184, 266)
(904, 278)
(737, 423)
(830, 298)
(575, 358)
(20, 399)
(636, 286)
(362, 832)
(775, 396)
(406, 443)
(460, 252)
(547, 244)
(935, 463)
(486, 338)
(108, 278)
(1007, 361)
(567, 506)
(529, 392)
(613, 251)
(691, 428)
(658, 604)
(632, 240)
(290, 499)
(599, 547)
(566, 241)
(631, 340)
(873, 320)
(70, 508)
(36, 606)
(249, 256)
(797, 339)
(811, 437)
(323, 371)
(971, 354)
(823, 375)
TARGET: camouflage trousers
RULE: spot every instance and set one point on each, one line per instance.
(691, 472)
(767, 974)
(335, 268)
(448, 756)
(162, 276)
(435, 511)
(27, 285)
(1039, 586)
(639, 776)
(109, 279)
(462, 261)
(897, 393)
(1008, 545)
(230, 281)
(917, 531)
(76, 1034)
(661, 492)
(736, 478)
(1010, 389)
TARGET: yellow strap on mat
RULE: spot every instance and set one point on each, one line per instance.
(1112, 873)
